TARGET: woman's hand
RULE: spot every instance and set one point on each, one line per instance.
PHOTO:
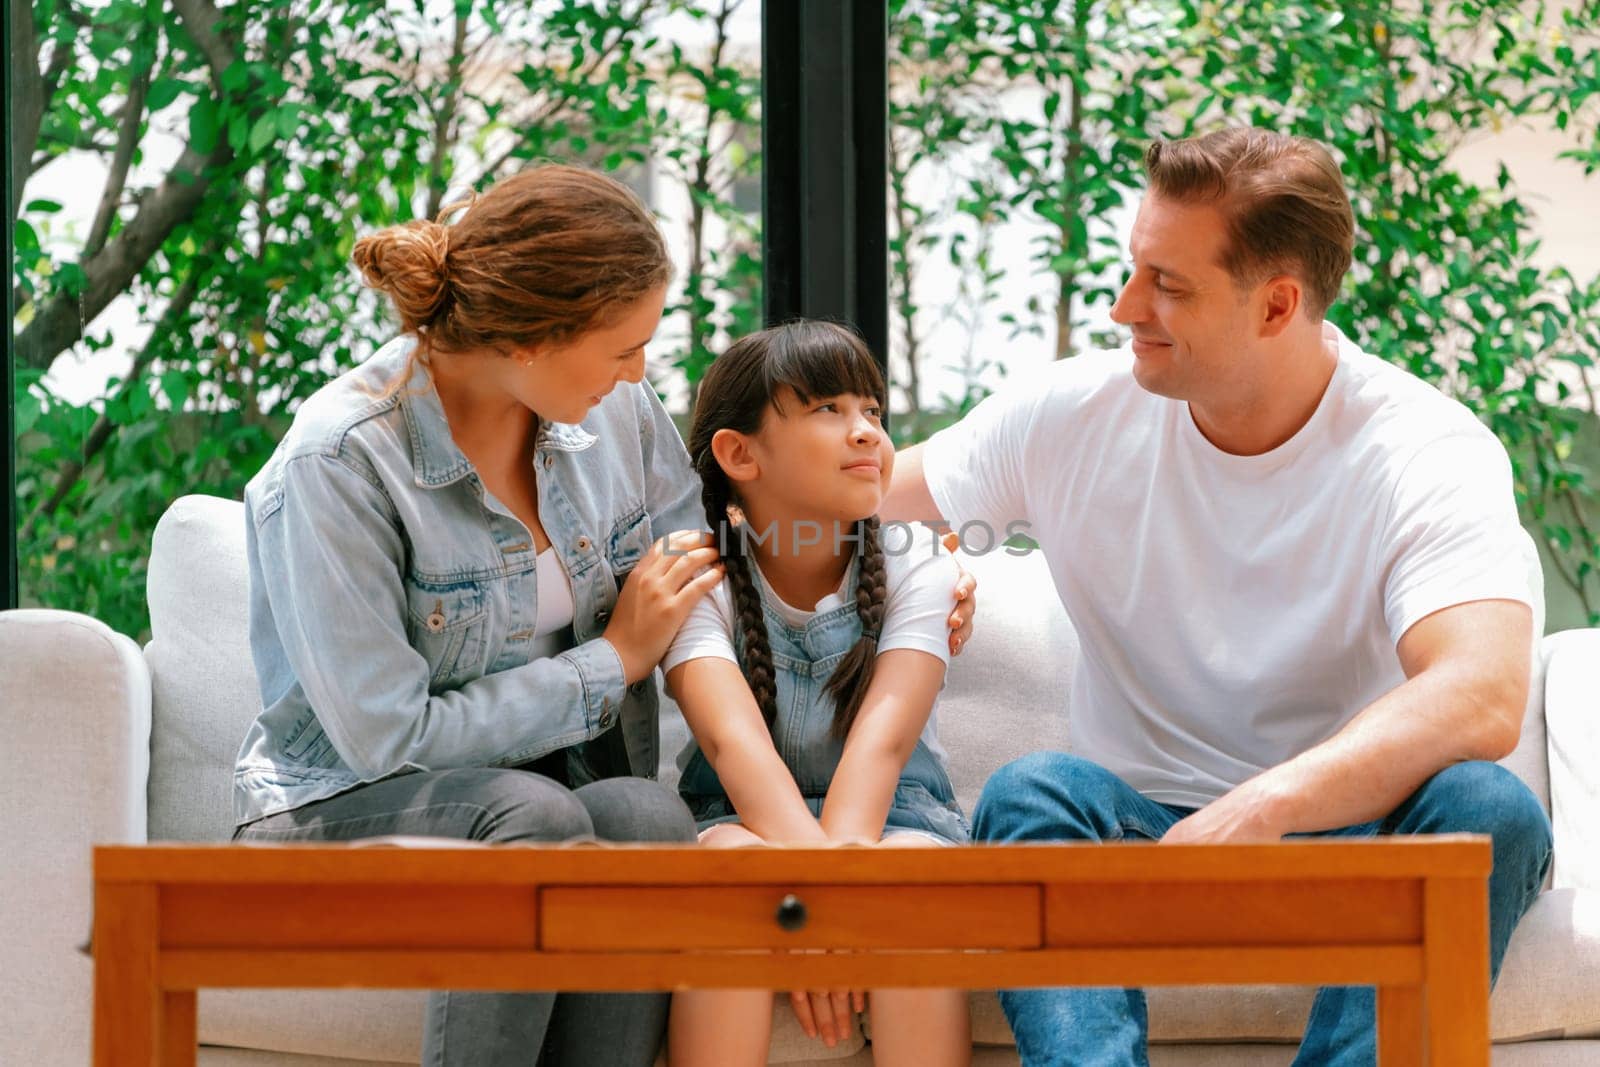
(657, 596)
(827, 1012)
(966, 598)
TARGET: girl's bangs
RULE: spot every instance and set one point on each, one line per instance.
(820, 359)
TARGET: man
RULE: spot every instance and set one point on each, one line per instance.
(1296, 571)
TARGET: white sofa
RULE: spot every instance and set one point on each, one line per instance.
(104, 743)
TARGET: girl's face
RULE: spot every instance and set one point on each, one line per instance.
(561, 383)
(826, 459)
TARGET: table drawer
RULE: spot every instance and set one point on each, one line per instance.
(665, 918)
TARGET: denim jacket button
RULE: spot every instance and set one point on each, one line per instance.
(583, 544)
(602, 618)
(549, 461)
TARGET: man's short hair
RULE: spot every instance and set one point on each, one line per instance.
(1282, 199)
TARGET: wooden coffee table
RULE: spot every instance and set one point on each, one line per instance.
(1409, 916)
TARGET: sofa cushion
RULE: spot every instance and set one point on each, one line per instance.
(1574, 739)
(203, 683)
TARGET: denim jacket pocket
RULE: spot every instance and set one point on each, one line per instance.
(629, 541)
(446, 625)
(306, 743)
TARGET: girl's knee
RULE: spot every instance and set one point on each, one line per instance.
(728, 835)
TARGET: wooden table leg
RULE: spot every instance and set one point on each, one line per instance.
(1400, 1038)
(1456, 970)
(127, 1004)
(178, 1019)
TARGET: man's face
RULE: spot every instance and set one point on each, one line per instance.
(1190, 320)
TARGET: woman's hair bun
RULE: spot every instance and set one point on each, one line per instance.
(410, 263)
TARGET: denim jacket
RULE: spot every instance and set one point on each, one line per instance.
(803, 660)
(392, 601)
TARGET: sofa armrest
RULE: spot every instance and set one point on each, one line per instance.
(1572, 722)
(74, 765)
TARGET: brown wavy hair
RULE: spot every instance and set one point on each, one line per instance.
(1282, 198)
(543, 256)
(814, 359)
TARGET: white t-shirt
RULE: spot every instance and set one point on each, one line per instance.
(1234, 611)
(920, 581)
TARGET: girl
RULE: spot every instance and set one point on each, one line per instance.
(809, 677)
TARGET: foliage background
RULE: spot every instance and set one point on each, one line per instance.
(247, 146)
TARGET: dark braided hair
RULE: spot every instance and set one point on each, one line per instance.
(849, 682)
(814, 359)
(755, 659)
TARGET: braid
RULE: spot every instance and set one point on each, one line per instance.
(848, 686)
(755, 660)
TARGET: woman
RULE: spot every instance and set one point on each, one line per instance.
(459, 584)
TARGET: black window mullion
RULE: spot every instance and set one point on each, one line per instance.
(824, 91)
(8, 415)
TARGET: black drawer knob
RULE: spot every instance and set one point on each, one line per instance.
(791, 912)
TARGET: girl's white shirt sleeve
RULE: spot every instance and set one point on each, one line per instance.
(708, 630)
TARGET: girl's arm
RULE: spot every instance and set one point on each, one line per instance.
(726, 722)
(905, 683)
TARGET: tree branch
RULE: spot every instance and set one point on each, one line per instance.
(200, 19)
(100, 433)
(107, 272)
(27, 100)
(543, 114)
(444, 119)
(127, 141)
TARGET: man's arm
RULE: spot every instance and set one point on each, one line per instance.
(1467, 674)
(908, 499)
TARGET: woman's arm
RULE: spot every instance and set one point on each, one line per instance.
(905, 683)
(328, 555)
(723, 715)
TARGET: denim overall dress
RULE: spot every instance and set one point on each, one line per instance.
(802, 661)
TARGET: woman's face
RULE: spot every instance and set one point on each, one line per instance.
(560, 383)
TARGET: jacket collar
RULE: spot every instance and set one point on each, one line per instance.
(438, 461)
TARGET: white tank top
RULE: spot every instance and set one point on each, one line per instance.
(552, 630)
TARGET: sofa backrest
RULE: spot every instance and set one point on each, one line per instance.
(1006, 695)
(203, 684)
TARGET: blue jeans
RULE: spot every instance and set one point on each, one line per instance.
(1051, 796)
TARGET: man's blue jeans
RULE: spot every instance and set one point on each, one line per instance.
(1051, 796)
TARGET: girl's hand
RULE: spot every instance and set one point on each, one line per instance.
(827, 1012)
(966, 598)
(657, 596)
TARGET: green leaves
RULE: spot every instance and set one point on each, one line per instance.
(203, 126)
